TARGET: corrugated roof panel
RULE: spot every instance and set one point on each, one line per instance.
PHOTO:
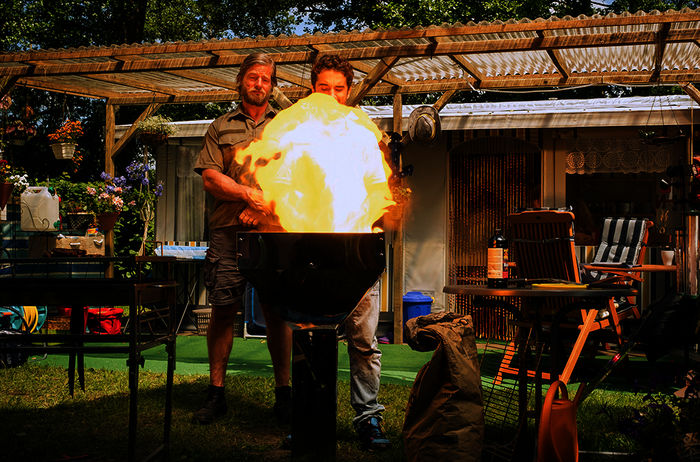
(429, 68)
(682, 56)
(171, 81)
(180, 55)
(513, 63)
(379, 43)
(490, 37)
(271, 50)
(610, 59)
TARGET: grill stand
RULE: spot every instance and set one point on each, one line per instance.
(314, 393)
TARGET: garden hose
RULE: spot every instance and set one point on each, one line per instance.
(31, 318)
(29, 315)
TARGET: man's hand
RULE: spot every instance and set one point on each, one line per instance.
(255, 219)
(251, 217)
(256, 201)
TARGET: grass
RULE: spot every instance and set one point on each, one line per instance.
(41, 421)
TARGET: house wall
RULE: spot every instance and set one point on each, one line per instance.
(426, 221)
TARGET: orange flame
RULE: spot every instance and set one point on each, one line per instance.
(319, 162)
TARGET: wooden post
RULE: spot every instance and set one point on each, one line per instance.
(109, 168)
(397, 242)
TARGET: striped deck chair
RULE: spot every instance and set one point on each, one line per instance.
(623, 245)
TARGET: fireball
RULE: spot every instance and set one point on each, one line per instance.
(319, 163)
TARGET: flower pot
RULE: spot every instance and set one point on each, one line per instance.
(107, 220)
(63, 150)
(5, 194)
(667, 256)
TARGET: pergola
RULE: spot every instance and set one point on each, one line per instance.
(654, 48)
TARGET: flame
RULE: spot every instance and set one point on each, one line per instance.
(319, 162)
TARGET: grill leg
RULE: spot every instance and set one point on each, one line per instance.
(314, 393)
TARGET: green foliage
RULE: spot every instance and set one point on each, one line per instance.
(157, 125)
(73, 194)
(633, 6)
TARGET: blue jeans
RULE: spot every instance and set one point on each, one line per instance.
(365, 359)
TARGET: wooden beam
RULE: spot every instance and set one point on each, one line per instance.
(556, 58)
(292, 93)
(388, 77)
(691, 91)
(280, 98)
(398, 113)
(444, 99)
(131, 131)
(291, 78)
(397, 261)
(128, 81)
(361, 89)
(468, 67)
(56, 87)
(661, 37)
(110, 125)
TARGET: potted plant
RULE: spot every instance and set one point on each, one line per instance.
(18, 132)
(155, 129)
(74, 207)
(65, 139)
(143, 193)
(106, 201)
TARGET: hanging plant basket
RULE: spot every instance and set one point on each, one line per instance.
(153, 139)
(63, 150)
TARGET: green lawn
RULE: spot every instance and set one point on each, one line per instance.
(41, 421)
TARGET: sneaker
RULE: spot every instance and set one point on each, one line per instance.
(372, 437)
(214, 407)
(283, 405)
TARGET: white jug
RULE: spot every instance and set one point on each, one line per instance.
(39, 210)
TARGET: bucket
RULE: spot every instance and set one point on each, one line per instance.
(107, 321)
(39, 209)
(415, 304)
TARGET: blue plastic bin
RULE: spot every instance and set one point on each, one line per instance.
(415, 304)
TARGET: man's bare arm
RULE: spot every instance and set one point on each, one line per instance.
(226, 188)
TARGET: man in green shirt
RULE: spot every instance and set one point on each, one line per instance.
(233, 204)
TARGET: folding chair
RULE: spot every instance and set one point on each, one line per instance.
(542, 245)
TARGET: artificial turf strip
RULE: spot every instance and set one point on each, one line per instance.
(249, 357)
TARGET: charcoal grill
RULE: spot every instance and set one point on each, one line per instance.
(314, 281)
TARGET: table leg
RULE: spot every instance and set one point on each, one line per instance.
(77, 327)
